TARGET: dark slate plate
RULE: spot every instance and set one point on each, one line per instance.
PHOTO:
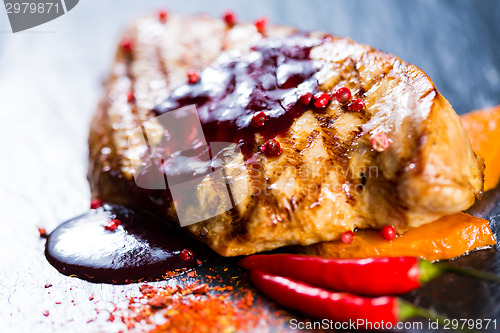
(49, 86)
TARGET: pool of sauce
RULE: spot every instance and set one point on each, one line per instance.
(142, 247)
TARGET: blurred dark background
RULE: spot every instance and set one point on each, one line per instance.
(50, 84)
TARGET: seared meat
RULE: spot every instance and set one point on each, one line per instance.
(327, 179)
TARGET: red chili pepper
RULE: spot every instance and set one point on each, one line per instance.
(342, 307)
(373, 276)
(385, 275)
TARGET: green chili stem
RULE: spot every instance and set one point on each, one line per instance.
(469, 272)
(429, 271)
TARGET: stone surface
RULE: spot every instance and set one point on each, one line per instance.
(50, 83)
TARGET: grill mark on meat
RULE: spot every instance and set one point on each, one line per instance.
(257, 183)
(239, 225)
(335, 150)
(330, 139)
(311, 138)
(305, 183)
(416, 160)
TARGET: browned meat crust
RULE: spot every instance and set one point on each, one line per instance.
(311, 192)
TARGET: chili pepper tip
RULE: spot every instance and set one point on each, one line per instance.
(246, 263)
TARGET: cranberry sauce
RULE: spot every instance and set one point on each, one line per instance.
(141, 247)
(231, 91)
(237, 98)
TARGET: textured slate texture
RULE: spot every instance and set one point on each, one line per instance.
(50, 83)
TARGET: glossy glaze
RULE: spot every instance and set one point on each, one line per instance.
(140, 248)
(231, 91)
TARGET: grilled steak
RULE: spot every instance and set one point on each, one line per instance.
(320, 178)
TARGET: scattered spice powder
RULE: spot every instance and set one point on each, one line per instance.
(158, 302)
(175, 272)
(194, 307)
(201, 289)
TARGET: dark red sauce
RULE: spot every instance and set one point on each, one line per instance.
(142, 247)
(272, 78)
(231, 91)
